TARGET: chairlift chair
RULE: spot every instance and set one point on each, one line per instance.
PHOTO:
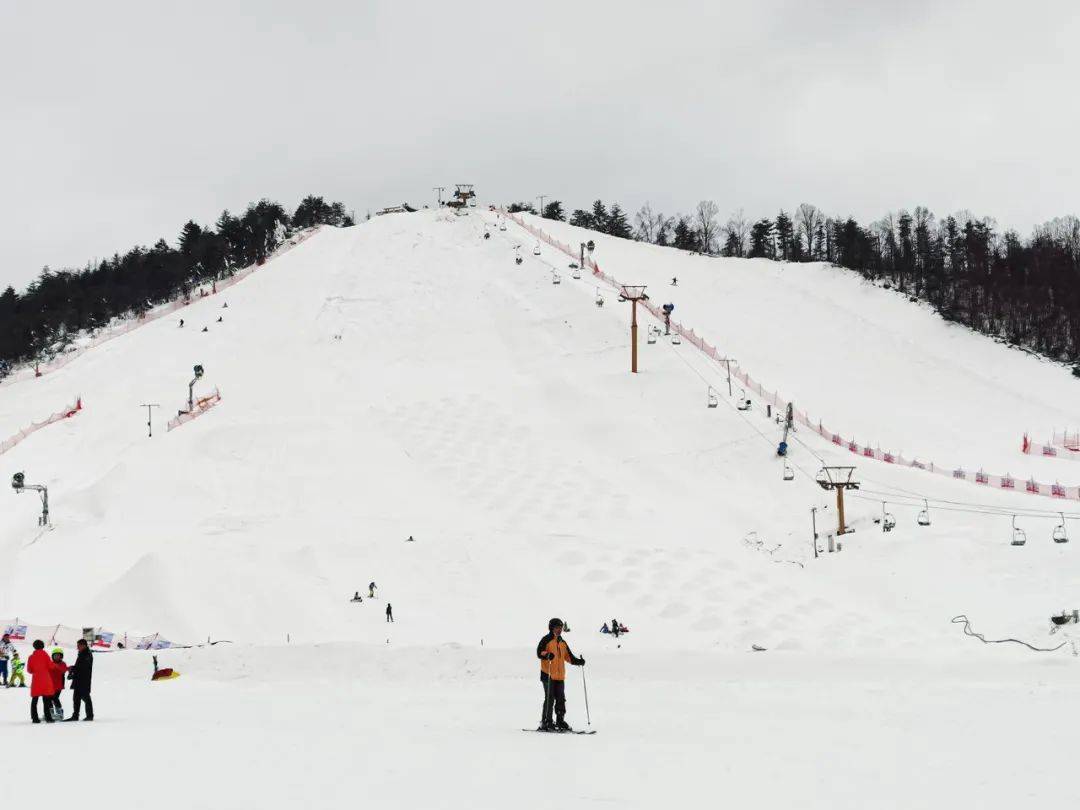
(789, 474)
(652, 335)
(502, 226)
(536, 250)
(1019, 536)
(576, 273)
(710, 398)
(676, 340)
(1060, 535)
(924, 515)
(888, 522)
(599, 298)
(555, 278)
(744, 403)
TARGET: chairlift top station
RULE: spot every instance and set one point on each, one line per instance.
(464, 197)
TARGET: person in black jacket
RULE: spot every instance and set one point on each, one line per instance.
(80, 674)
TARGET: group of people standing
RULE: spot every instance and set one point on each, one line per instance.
(48, 673)
(371, 595)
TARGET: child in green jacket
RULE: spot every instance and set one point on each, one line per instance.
(18, 667)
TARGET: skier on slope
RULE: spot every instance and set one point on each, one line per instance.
(553, 653)
(371, 590)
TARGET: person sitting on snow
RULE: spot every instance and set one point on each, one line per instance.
(605, 628)
(356, 597)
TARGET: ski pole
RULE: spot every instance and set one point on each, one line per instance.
(585, 686)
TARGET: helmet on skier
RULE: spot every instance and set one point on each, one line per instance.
(555, 623)
(57, 651)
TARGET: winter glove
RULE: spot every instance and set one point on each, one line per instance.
(548, 656)
(580, 662)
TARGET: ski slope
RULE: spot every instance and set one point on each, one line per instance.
(405, 378)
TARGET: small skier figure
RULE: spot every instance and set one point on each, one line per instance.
(220, 319)
(371, 590)
(18, 671)
(410, 540)
(356, 597)
(674, 281)
(181, 323)
(389, 613)
(615, 627)
(553, 653)
(225, 305)
(206, 328)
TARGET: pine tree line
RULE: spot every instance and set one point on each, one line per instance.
(1023, 291)
(62, 303)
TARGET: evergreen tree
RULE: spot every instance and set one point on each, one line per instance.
(617, 224)
(783, 236)
(582, 219)
(684, 236)
(762, 244)
(554, 210)
(599, 217)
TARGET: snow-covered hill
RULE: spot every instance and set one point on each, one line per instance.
(406, 378)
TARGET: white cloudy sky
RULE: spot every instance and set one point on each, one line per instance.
(120, 120)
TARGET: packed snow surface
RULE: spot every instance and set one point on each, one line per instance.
(406, 378)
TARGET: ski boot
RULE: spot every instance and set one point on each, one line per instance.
(562, 726)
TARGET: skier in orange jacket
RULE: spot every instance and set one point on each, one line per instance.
(554, 653)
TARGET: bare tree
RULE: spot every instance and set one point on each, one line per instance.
(736, 230)
(646, 229)
(705, 222)
(652, 227)
(807, 220)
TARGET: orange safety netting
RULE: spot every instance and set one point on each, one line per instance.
(60, 415)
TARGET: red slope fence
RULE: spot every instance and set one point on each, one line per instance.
(866, 451)
(65, 413)
(201, 406)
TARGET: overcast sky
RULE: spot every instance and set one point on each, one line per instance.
(121, 120)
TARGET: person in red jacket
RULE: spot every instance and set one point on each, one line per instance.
(60, 668)
(42, 686)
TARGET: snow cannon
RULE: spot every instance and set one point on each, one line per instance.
(166, 674)
(781, 449)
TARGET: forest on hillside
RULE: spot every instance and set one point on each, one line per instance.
(62, 303)
(1022, 290)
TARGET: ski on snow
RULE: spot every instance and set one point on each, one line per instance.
(542, 731)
